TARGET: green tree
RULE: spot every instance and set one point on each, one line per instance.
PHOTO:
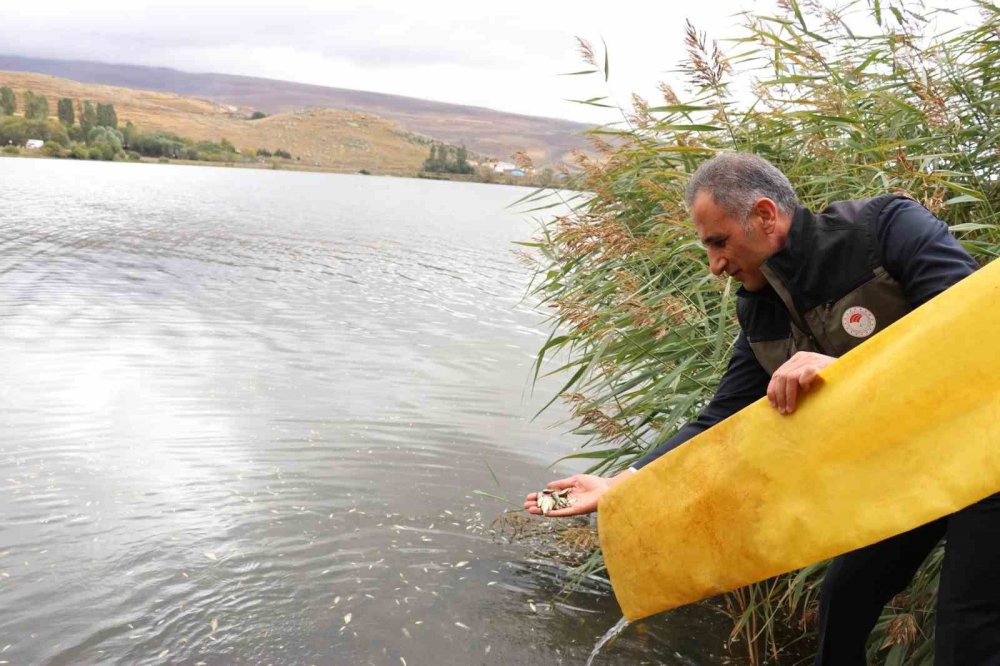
(447, 159)
(162, 144)
(36, 107)
(461, 160)
(129, 135)
(106, 116)
(52, 149)
(437, 158)
(8, 101)
(106, 140)
(64, 110)
(88, 118)
(17, 130)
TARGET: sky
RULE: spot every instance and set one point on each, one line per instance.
(507, 56)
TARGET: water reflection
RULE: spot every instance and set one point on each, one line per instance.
(244, 414)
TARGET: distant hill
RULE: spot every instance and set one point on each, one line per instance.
(484, 131)
(325, 138)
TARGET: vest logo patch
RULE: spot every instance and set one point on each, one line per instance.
(858, 321)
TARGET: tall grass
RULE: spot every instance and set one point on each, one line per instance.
(644, 331)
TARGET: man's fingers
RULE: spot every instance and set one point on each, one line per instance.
(559, 513)
(794, 388)
(779, 394)
(791, 394)
(807, 377)
(531, 501)
(568, 511)
(797, 375)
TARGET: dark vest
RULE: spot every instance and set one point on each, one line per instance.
(829, 291)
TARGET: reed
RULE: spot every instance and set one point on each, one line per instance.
(849, 103)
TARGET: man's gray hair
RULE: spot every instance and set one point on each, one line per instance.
(737, 180)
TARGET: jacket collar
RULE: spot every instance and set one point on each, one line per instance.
(785, 270)
(789, 262)
(786, 265)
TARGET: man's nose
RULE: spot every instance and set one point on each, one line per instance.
(716, 263)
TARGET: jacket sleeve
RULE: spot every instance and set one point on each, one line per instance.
(919, 251)
(744, 382)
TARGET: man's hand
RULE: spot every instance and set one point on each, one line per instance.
(797, 373)
(585, 489)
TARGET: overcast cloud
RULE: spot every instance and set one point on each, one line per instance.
(505, 56)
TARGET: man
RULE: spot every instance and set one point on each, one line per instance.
(813, 287)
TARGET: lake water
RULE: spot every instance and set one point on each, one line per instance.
(244, 414)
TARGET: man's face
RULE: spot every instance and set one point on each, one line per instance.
(733, 248)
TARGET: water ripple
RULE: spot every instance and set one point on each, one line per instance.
(244, 414)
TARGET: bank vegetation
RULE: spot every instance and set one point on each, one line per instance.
(848, 103)
(91, 132)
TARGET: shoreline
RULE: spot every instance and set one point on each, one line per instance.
(292, 166)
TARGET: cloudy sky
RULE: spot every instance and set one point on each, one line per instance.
(502, 55)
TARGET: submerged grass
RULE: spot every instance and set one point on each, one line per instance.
(848, 102)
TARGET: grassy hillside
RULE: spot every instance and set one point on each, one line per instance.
(484, 131)
(321, 138)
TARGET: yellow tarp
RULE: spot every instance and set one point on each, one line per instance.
(903, 430)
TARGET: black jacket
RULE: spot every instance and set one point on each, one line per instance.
(842, 276)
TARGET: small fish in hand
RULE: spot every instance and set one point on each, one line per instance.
(553, 498)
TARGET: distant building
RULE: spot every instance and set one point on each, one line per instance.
(516, 172)
(34, 144)
(503, 167)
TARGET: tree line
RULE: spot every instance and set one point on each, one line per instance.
(447, 159)
(91, 131)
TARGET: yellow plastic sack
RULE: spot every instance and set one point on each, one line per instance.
(904, 429)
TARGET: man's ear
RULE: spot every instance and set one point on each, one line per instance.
(767, 211)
